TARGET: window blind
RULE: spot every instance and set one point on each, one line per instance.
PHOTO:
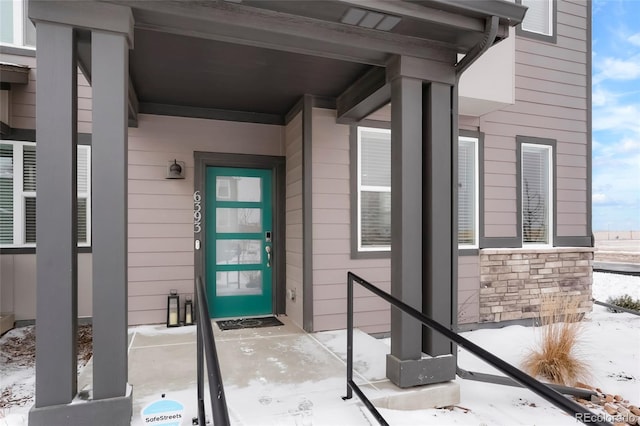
(535, 194)
(29, 168)
(30, 219)
(375, 187)
(375, 218)
(18, 170)
(467, 226)
(6, 194)
(538, 17)
(375, 158)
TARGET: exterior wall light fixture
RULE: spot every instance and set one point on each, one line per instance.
(175, 170)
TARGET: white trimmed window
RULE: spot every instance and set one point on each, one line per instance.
(539, 17)
(15, 27)
(374, 189)
(537, 194)
(18, 194)
(468, 190)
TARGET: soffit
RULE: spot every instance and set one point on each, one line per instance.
(261, 55)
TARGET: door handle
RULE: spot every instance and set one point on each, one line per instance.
(268, 250)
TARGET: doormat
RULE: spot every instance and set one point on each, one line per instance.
(237, 324)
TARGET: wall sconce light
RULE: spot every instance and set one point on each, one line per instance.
(188, 311)
(175, 169)
(173, 309)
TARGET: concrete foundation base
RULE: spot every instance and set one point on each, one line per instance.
(425, 371)
(430, 396)
(6, 322)
(101, 412)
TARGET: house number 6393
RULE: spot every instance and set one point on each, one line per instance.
(197, 213)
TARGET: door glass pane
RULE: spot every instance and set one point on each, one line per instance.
(238, 220)
(238, 283)
(238, 188)
(238, 252)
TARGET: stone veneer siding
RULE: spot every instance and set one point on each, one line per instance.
(514, 281)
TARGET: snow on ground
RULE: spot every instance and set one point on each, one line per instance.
(611, 346)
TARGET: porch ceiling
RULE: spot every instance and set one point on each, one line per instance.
(185, 71)
(211, 58)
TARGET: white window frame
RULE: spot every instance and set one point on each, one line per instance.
(368, 188)
(550, 7)
(476, 207)
(19, 20)
(550, 206)
(19, 196)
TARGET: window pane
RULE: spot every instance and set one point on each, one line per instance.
(375, 218)
(29, 168)
(238, 283)
(538, 17)
(82, 220)
(238, 252)
(238, 188)
(238, 220)
(6, 194)
(466, 192)
(535, 195)
(83, 169)
(30, 220)
(375, 157)
(29, 28)
(6, 21)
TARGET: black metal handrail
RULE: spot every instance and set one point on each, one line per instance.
(576, 410)
(616, 307)
(206, 348)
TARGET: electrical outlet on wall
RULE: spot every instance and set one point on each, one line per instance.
(291, 294)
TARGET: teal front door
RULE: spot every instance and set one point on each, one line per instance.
(239, 256)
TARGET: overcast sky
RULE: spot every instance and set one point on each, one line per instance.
(616, 114)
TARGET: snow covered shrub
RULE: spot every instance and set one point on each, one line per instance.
(624, 301)
(554, 358)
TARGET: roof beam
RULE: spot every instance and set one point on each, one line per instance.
(368, 94)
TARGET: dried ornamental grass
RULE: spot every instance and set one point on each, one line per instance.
(555, 357)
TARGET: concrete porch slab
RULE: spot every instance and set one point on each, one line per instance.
(272, 376)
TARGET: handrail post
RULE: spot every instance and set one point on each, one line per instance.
(220, 413)
(200, 363)
(349, 335)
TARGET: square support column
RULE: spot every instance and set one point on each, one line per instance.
(57, 401)
(421, 233)
(440, 260)
(406, 214)
(56, 235)
(110, 82)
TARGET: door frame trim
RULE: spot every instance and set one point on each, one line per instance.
(277, 165)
